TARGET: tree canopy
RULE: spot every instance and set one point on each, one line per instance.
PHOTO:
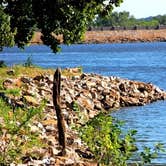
(20, 18)
(6, 35)
(115, 19)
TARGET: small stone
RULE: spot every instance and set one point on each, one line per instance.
(40, 125)
(10, 72)
(50, 128)
(49, 122)
(38, 77)
(94, 95)
(68, 98)
(55, 151)
(25, 80)
(8, 83)
(75, 77)
(46, 161)
(99, 88)
(98, 105)
(34, 129)
(91, 84)
(104, 84)
(86, 102)
(31, 100)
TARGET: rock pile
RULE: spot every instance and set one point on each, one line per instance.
(94, 93)
(91, 94)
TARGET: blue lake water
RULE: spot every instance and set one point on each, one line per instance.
(137, 61)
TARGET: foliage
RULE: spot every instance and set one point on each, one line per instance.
(52, 17)
(15, 134)
(107, 142)
(2, 64)
(28, 62)
(80, 69)
(6, 34)
(161, 19)
(82, 117)
(148, 154)
(124, 19)
(110, 145)
(14, 92)
(115, 19)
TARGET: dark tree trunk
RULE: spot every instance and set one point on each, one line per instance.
(60, 118)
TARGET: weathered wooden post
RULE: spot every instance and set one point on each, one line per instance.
(57, 103)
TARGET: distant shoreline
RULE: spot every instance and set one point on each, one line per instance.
(116, 36)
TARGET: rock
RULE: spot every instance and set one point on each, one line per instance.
(75, 77)
(50, 128)
(94, 94)
(8, 83)
(104, 84)
(68, 98)
(10, 72)
(39, 78)
(86, 102)
(31, 101)
(122, 87)
(18, 83)
(34, 129)
(92, 114)
(130, 101)
(100, 88)
(49, 122)
(46, 161)
(74, 70)
(26, 80)
(97, 105)
(91, 84)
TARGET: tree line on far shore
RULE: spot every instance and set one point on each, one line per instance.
(126, 21)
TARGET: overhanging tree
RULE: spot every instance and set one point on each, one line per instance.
(52, 17)
(6, 35)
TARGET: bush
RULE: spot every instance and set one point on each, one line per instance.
(107, 142)
(110, 145)
(28, 62)
(2, 64)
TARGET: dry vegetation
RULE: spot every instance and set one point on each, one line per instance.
(117, 36)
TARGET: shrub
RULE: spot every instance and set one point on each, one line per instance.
(110, 145)
(28, 62)
(106, 140)
(2, 64)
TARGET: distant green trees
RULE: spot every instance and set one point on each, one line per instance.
(161, 19)
(114, 19)
(124, 19)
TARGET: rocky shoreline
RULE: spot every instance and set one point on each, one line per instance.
(91, 93)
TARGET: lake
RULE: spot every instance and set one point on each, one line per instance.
(137, 61)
